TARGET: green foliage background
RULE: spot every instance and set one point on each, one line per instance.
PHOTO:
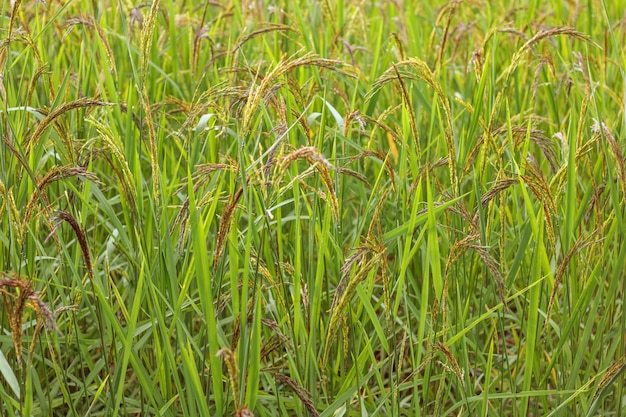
(321, 208)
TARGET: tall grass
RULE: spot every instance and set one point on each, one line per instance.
(312, 208)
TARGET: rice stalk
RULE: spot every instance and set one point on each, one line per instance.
(146, 41)
(154, 161)
(485, 140)
(3, 198)
(460, 247)
(501, 29)
(32, 140)
(14, 12)
(345, 330)
(201, 176)
(375, 234)
(401, 359)
(453, 363)
(53, 175)
(91, 23)
(477, 62)
(203, 173)
(357, 257)
(493, 267)
(365, 266)
(536, 181)
(201, 33)
(384, 159)
(543, 62)
(265, 273)
(440, 390)
(581, 149)
(581, 121)
(327, 12)
(270, 28)
(353, 116)
(145, 50)
(113, 145)
(560, 273)
(230, 359)
(354, 174)
(393, 136)
(410, 111)
(107, 49)
(600, 128)
(41, 71)
(503, 229)
(284, 341)
(542, 34)
(321, 165)
(260, 92)
(499, 186)
(423, 72)
(208, 99)
(609, 377)
(16, 216)
(47, 320)
(446, 12)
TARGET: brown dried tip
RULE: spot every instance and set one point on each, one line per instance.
(15, 308)
(300, 391)
(273, 326)
(63, 215)
(23, 296)
(225, 224)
